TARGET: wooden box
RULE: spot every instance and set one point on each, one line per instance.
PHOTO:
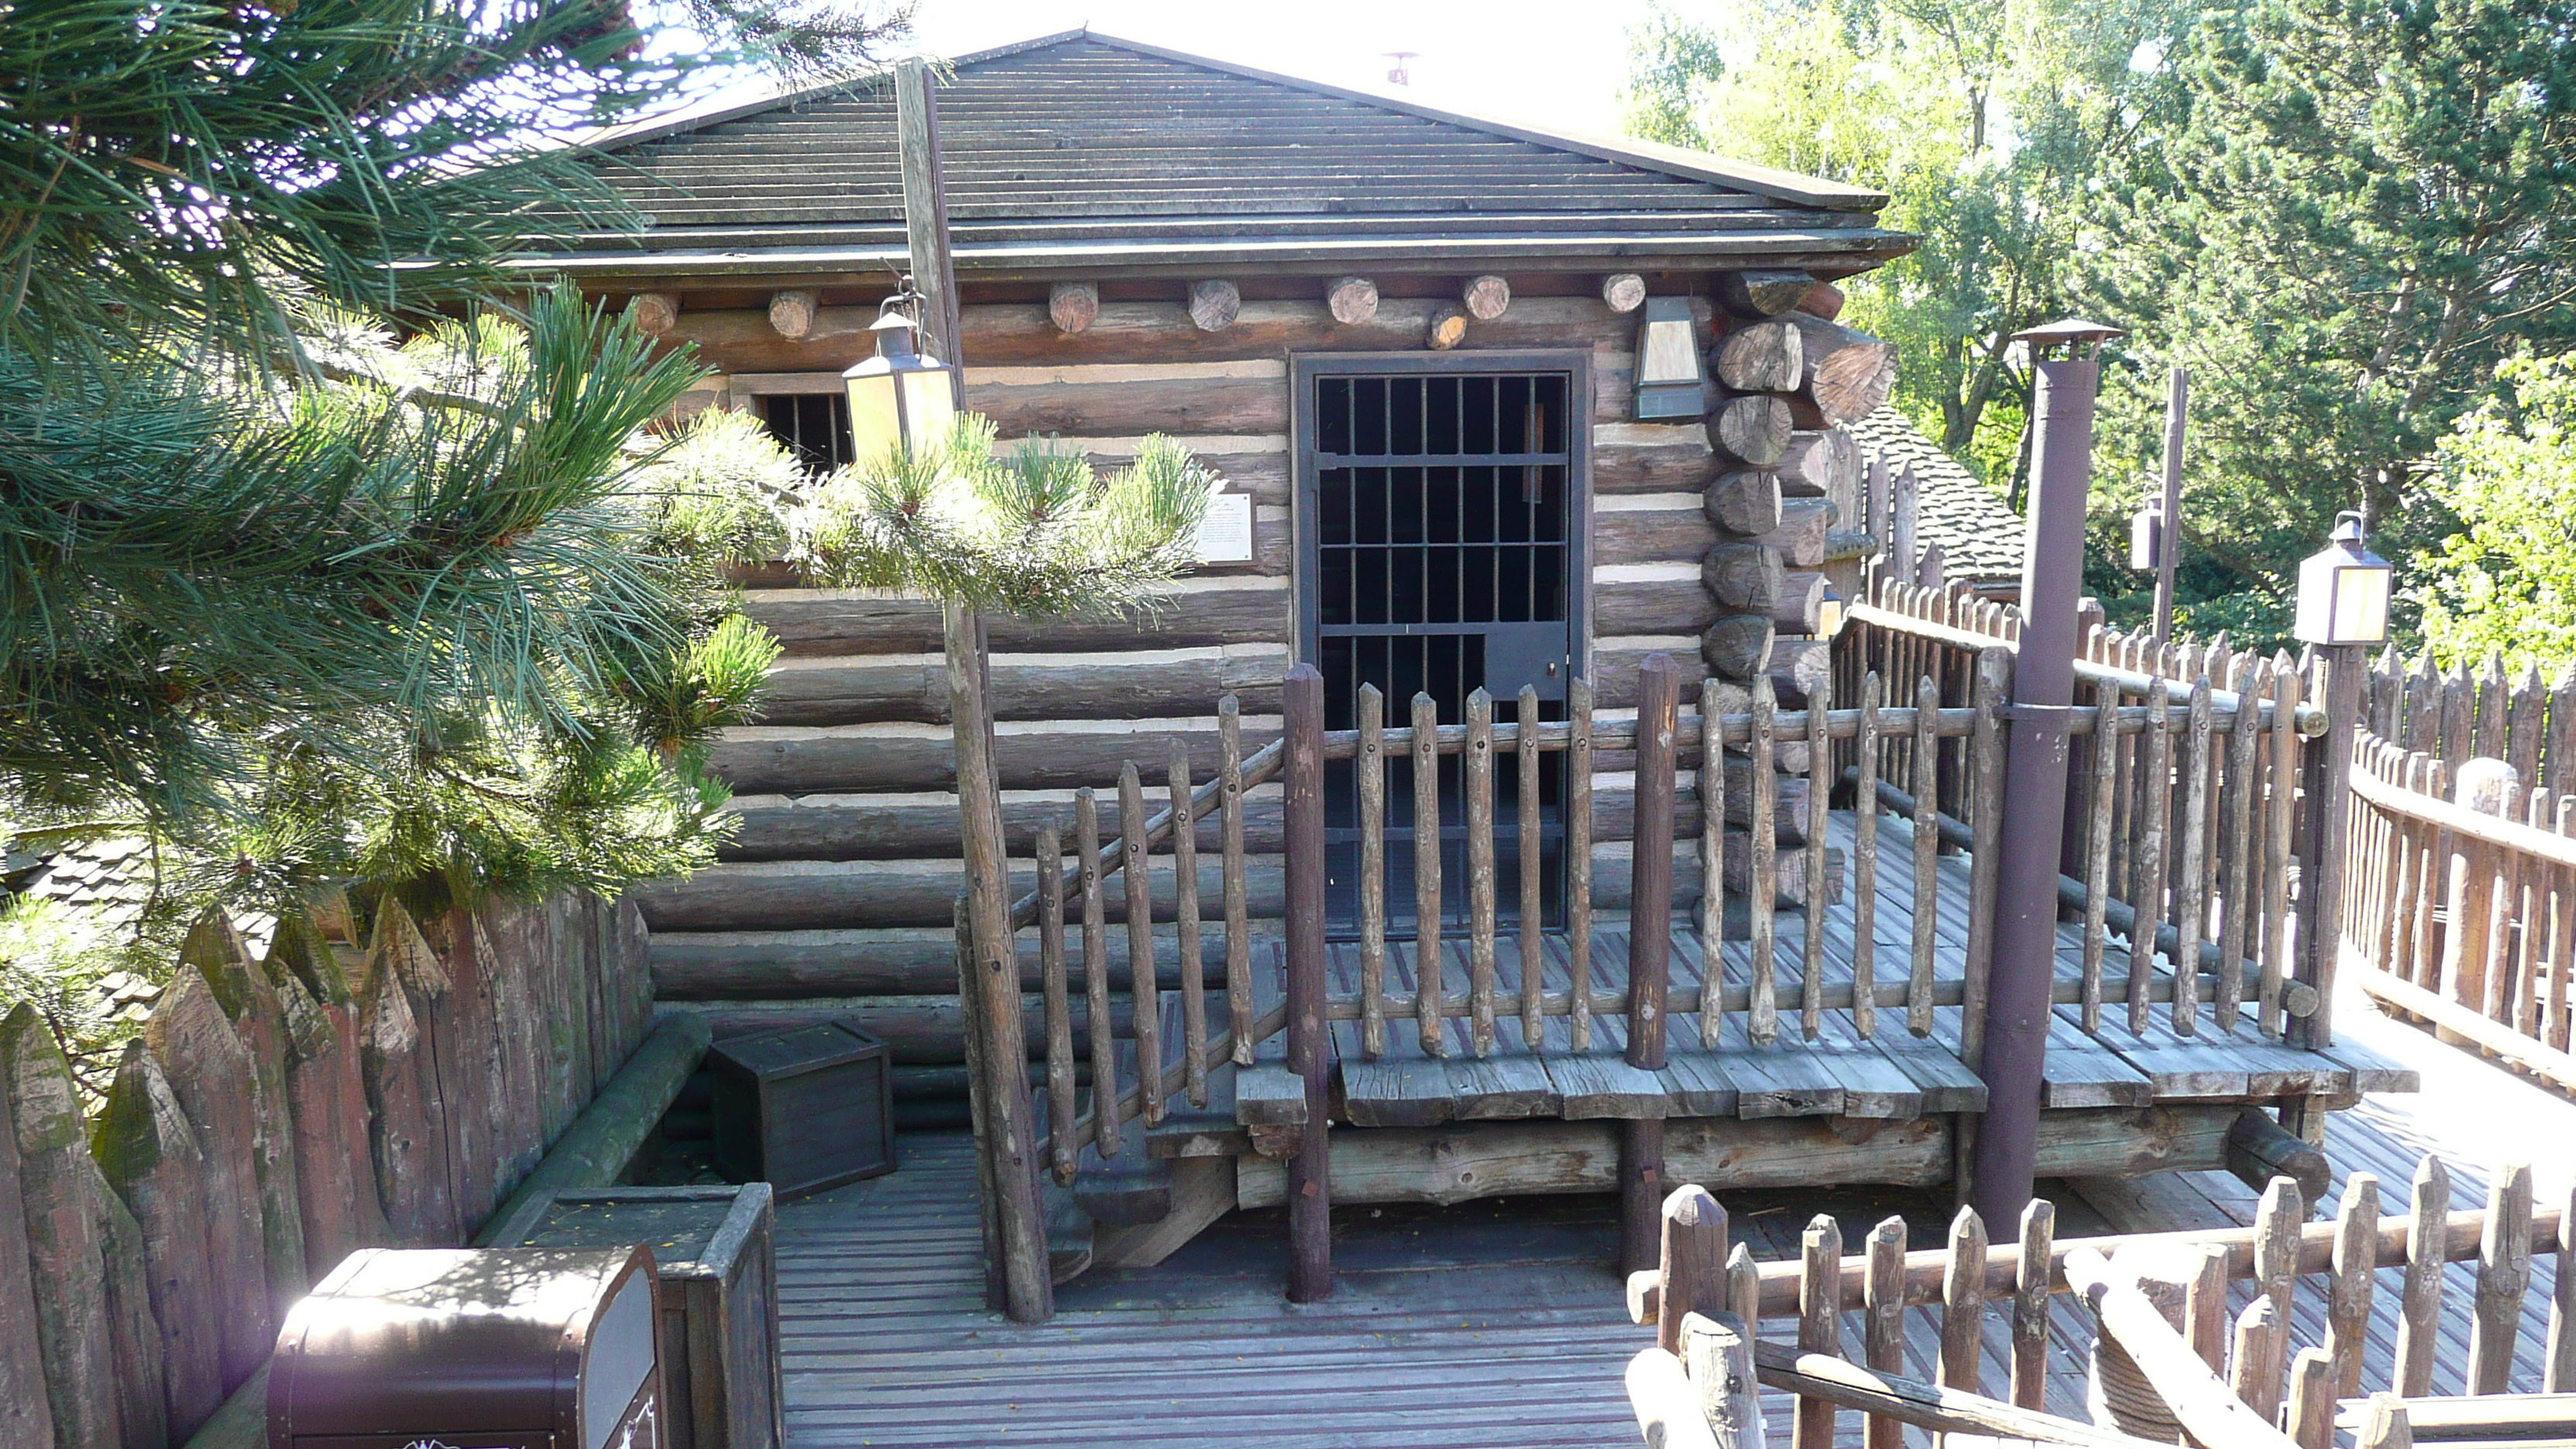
(716, 1254)
(803, 1108)
(531, 1348)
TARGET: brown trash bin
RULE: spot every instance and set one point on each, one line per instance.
(715, 1252)
(491, 1348)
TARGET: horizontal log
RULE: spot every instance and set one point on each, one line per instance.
(1923, 1405)
(920, 826)
(1212, 397)
(1673, 531)
(1789, 872)
(1824, 463)
(1073, 305)
(1023, 334)
(1745, 502)
(1744, 576)
(1738, 646)
(595, 1150)
(1849, 374)
(1799, 668)
(1800, 605)
(1190, 613)
(792, 894)
(1028, 754)
(1447, 1165)
(918, 1031)
(1652, 458)
(891, 961)
(1760, 357)
(1616, 659)
(1806, 525)
(877, 688)
(1650, 599)
(1753, 429)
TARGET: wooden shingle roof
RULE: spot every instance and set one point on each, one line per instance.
(1979, 534)
(1082, 149)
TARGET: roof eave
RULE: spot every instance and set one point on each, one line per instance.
(1841, 249)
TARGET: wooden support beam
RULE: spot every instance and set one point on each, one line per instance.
(1310, 1224)
(1764, 357)
(1753, 429)
(2260, 1149)
(1623, 291)
(1446, 329)
(1486, 298)
(1745, 502)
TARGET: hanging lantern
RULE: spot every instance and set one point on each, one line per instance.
(2344, 590)
(1669, 371)
(2147, 535)
(903, 397)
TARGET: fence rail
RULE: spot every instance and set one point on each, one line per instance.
(2464, 903)
(2169, 1357)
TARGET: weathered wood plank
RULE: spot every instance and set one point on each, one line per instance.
(149, 1156)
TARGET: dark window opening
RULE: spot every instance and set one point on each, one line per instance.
(1441, 507)
(815, 426)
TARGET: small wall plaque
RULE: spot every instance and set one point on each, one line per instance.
(1225, 530)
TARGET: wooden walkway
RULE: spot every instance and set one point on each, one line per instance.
(1496, 1323)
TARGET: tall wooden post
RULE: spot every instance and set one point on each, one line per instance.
(925, 206)
(1310, 1181)
(2324, 816)
(2169, 523)
(2034, 773)
(1009, 1122)
(1650, 945)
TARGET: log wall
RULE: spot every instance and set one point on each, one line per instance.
(277, 1113)
(848, 847)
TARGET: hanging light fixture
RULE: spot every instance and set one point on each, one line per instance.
(2147, 535)
(1669, 370)
(903, 397)
(2344, 590)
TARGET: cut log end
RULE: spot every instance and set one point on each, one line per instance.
(1486, 297)
(654, 313)
(1822, 300)
(1745, 502)
(1764, 357)
(1738, 646)
(1448, 328)
(1073, 306)
(1624, 291)
(1214, 305)
(791, 312)
(1753, 430)
(1353, 300)
(1762, 293)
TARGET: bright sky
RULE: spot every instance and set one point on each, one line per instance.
(1497, 57)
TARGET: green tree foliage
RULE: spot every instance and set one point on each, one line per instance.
(2506, 581)
(1036, 534)
(2342, 215)
(294, 602)
(1984, 120)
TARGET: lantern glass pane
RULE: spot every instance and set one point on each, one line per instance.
(1669, 354)
(2145, 539)
(876, 428)
(2361, 605)
(929, 402)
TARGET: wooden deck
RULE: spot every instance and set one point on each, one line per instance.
(1491, 1323)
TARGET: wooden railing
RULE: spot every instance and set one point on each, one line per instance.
(2464, 903)
(2189, 809)
(2170, 1359)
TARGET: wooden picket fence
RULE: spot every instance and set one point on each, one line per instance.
(274, 1115)
(2170, 1362)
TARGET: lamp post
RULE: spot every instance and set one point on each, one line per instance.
(903, 397)
(2014, 1025)
(2344, 592)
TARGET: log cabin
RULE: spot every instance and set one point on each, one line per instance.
(1411, 343)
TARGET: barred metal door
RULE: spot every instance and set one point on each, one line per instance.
(1438, 504)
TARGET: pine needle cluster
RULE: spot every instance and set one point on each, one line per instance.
(1035, 534)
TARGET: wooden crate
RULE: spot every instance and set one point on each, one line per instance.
(803, 1108)
(717, 1261)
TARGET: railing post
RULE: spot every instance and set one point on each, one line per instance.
(1650, 921)
(2328, 809)
(2035, 765)
(1310, 1190)
(1009, 1122)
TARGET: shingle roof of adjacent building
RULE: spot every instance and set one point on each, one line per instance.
(1980, 536)
(1082, 147)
